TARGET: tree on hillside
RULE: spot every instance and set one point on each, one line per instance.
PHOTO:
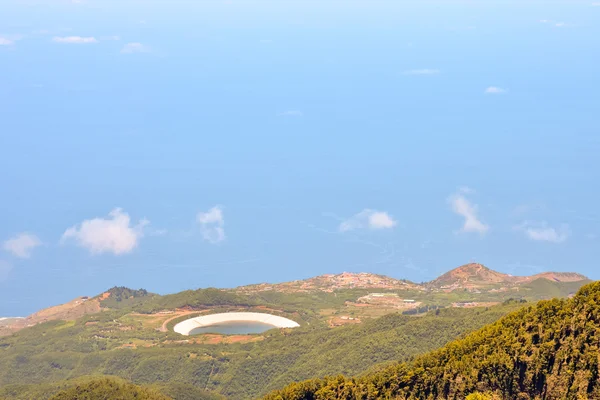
(546, 351)
(108, 388)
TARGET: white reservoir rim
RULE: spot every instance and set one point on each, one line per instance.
(185, 327)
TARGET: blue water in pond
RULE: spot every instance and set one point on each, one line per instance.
(234, 328)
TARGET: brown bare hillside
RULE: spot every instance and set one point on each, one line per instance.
(559, 276)
(470, 275)
(72, 310)
(331, 282)
(476, 276)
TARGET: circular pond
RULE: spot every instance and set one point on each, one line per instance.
(235, 323)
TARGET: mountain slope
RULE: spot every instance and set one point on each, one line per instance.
(559, 276)
(104, 388)
(478, 276)
(108, 388)
(331, 282)
(480, 285)
(351, 349)
(470, 275)
(547, 351)
(70, 311)
(130, 332)
(56, 351)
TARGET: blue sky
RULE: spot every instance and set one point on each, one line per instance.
(183, 144)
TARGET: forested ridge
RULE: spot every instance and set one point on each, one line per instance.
(105, 388)
(58, 351)
(132, 338)
(545, 351)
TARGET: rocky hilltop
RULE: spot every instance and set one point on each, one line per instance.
(331, 282)
(471, 276)
(478, 276)
(476, 279)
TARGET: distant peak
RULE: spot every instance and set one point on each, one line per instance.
(475, 275)
(472, 265)
(472, 276)
(561, 276)
(332, 282)
(121, 293)
(469, 275)
(471, 268)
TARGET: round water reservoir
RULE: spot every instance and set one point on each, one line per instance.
(234, 328)
(237, 323)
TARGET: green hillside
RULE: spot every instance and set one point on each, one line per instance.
(104, 388)
(107, 388)
(545, 351)
(142, 301)
(350, 349)
(57, 351)
(350, 323)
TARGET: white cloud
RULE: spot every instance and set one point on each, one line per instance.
(131, 48)
(5, 269)
(212, 224)
(22, 245)
(381, 220)
(10, 40)
(291, 113)
(107, 235)
(495, 90)
(368, 219)
(74, 39)
(541, 232)
(597, 4)
(463, 207)
(6, 41)
(559, 24)
(422, 72)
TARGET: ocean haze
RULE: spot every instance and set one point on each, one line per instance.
(290, 119)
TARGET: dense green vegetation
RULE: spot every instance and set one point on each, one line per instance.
(352, 349)
(546, 351)
(551, 289)
(59, 350)
(107, 388)
(142, 301)
(185, 391)
(132, 339)
(311, 302)
(121, 296)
